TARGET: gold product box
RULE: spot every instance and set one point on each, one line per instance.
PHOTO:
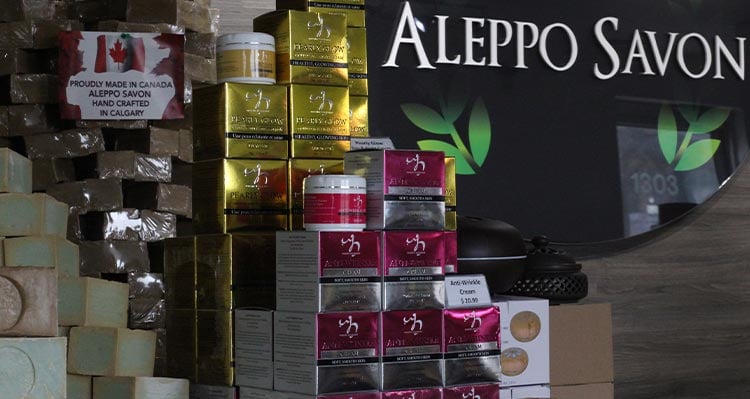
(357, 46)
(236, 270)
(239, 120)
(239, 194)
(181, 343)
(299, 169)
(319, 121)
(353, 9)
(359, 122)
(310, 46)
(215, 348)
(180, 272)
(450, 194)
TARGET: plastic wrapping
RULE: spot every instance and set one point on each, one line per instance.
(140, 285)
(137, 124)
(185, 152)
(154, 141)
(37, 34)
(115, 225)
(194, 16)
(46, 172)
(200, 69)
(160, 197)
(120, 26)
(25, 61)
(64, 9)
(3, 121)
(147, 314)
(27, 119)
(113, 257)
(153, 168)
(33, 88)
(74, 227)
(201, 44)
(66, 144)
(103, 194)
(71, 194)
(96, 10)
(19, 10)
(157, 226)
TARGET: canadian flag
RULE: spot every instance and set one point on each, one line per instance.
(119, 53)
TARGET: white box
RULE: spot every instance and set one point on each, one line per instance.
(253, 348)
(530, 392)
(524, 337)
(328, 271)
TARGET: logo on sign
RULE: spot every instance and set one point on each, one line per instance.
(261, 102)
(476, 322)
(419, 165)
(414, 323)
(471, 395)
(354, 246)
(689, 155)
(420, 247)
(321, 29)
(352, 328)
(326, 104)
(260, 177)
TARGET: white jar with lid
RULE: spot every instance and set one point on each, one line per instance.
(246, 58)
(335, 203)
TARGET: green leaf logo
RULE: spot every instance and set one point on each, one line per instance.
(689, 155)
(468, 159)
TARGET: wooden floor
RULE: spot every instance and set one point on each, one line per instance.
(681, 304)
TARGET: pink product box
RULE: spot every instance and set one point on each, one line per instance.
(328, 271)
(405, 189)
(472, 346)
(488, 391)
(413, 270)
(450, 238)
(411, 348)
(357, 395)
(317, 354)
(435, 393)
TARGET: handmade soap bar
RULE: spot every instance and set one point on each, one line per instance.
(154, 141)
(89, 301)
(28, 302)
(43, 251)
(160, 197)
(157, 226)
(113, 257)
(28, 119)
(79, 386)
(33, 88)
(34, 34)
(32, 214)
(66, 144)
(104, 194)
(47, 172)
(140, 388)
(15, 172)
(104, 351)
(32, 368)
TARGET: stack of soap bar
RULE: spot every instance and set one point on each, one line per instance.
(32, 214)
(28, 303)
(79, 386)
(89, 301)
(140, 388)
(32, 368)
(104, 351)
(43, 251)
(15, 172)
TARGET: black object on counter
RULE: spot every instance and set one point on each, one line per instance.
(493, 248)
(551, 274)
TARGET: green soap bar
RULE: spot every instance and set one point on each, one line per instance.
(140, 388)
(15, 172)
(79, 386)
(113, 352)
(28, 302)
(32, 368)
(43, 251)
(86, 301)
(2, 252)
(54, 216)
(32, 215)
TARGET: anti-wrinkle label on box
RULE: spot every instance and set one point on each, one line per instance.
(490, 391)
(414, 176)
(349, 257)
(412, 335)
(415, 394)
(472, 332)
(347, 338)
(413, 255)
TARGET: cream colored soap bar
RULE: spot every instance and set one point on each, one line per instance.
(43, 251)
(15, 172)
(2, 252)
(32, 214)
(113, 352)
(140, 388)
(28, 302)
(32, 368)
(79, 386)
(86, 301)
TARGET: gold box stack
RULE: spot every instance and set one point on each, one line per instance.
(319, 121)
(353, 9)
(450, 194)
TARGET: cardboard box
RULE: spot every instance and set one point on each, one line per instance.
(214, 348)
(413, 270)
(253, 351)
(411, 349)
(576, 330)
(354, 10)
(318, 121)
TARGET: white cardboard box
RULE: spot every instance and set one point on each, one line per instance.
(253, 348)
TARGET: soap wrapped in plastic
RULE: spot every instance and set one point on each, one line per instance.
(187, 121)
(33, 88)
(192, 15)
(128, 125)
(3, 121)
(71, 193)
(147, 314)
(19, 10)
(66, 144)
(141, 285)
(154, 141)
(46, 172)
(186, 145)
(182, 174)
(201, 44)
(153, 168)
(91, 11)
(161, 197)
(200, 69)
(114, 225)
(104, 194)
(13, 61)
(34, 34)
(157, 226)
(113, 257)
(28, 119)
(120, 26)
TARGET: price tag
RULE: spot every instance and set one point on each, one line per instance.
(466, 291)
(369, 143)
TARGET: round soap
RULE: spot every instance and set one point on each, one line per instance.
(17, 374)
(525, 326)
(11, 304)
(513, 361)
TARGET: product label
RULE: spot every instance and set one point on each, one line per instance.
(247, 63)
(359, 124)
(255, 108)
(414, 335)
(335, 209)
(414, 176)
(416, 394)
(450, 240)
(409, 254)
(299, 169)
(472, 330)
(489, 391)
(347, 256)
(347, 338)
(255, 187)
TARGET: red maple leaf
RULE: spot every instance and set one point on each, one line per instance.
(117, 53)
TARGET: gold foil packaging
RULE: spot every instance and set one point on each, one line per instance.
(450, 194)
(357, 46)
(214, 348)
(319, 121)
(240, 120)
(310, 46)
(299, 169)
(353, 9)
(359, 123)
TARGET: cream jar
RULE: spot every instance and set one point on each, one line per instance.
(335, 203)
(246, 58)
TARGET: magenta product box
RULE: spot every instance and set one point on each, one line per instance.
(328, 271)
(472, 346)
(413, 270)
(405, 189)
(411, 347)
(355, 395)
(450, 238)
(488, 391)
(329, 353)
(435, 393)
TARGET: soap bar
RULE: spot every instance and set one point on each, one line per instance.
(15, 172)
(28, 119)
(160, 197)
(140, 388)
(2, 255)
(89, 301)
(43, 251)
(113, 257)
(32, 214)
(33, 88)
(115, 225)
(147, 314)
(104, 194)
(66, 144)
(47, 172)
(157, 226)
(104, 351)
(28, 302)
(32, 368)
(37, 34)
(154, 141)
(79, 386)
